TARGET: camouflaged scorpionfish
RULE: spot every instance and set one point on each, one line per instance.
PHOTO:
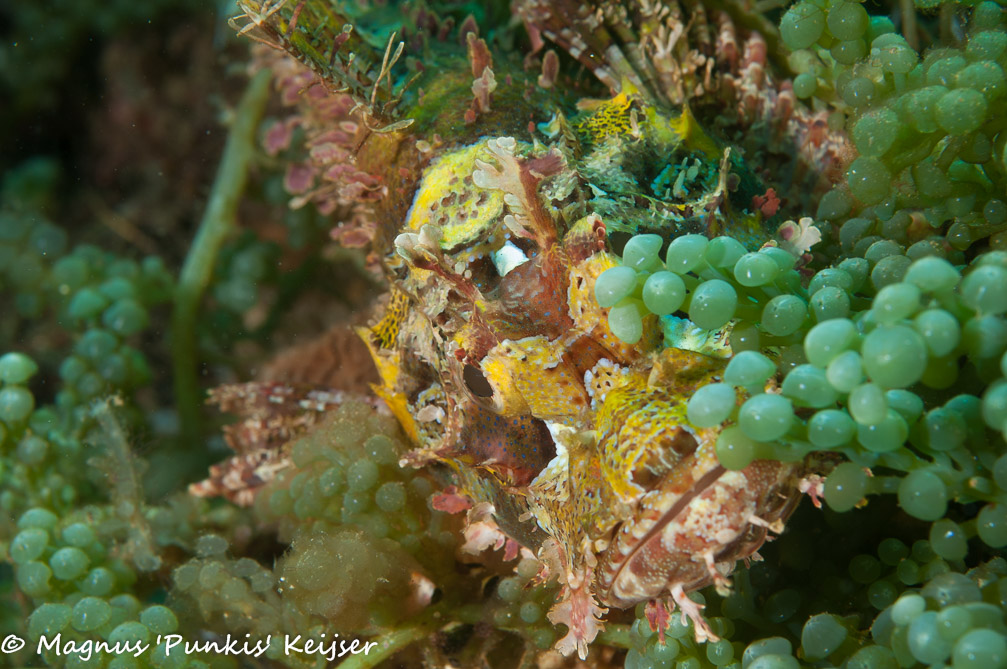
(495, 204)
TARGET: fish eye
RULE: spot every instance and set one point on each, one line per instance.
(476, 381)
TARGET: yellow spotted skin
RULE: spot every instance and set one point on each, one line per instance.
(547, 384)
(467, 214)
(386, 331)
(613, 117)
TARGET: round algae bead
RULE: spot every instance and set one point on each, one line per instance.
(748, 369)
(131, 632)
(925, 642)
(895, 302)
(831, 276)
(872, 657)
(90, 613)
(874, 133)
(784, 315)
(362, 475)
(907, 607)
(858, 269)
(28, 545)
(625, 321)
(125, 317)
(69, 563)
(897, 56)
(831, 428)
(773, 647)
(946, 429)
(845, 372)
(784, 259)
(949, 540)
(16, 368)
(953, 622)
(939, 329)
(983, 289)
(802, 25)
(744, 337)
(685, 253)
(830, 302)
(37, 517)
(724, 251)
(879, 25)
(931, 179)
(391, 497)
(981, 649)
(986, 16)
(921, 108)
(848, 20)
(882, 251)
(808, 386)
(984, 76)
(822, 634)
(950, 588)
(922, 494)
(987, 45)
(33, 578)
(858, 92)
(827, 340)
(16, 404)
(869, 180)
(49, 619)
(711, 405)
(613, 285)
(894, 356)
(641, 251)
(834, 205)
(713, 304)
(755, 269)
(735, 449)
(906, 404)
(98, 582)
(985, 337)
(848, 52)
(885, 436)
(805, 85)
(845, 486)
(510, 589)
(531, 612)
(86, 303)
(994, 405)
(663, 293)
(961, 111)
(991, 525)
(79, 535)
(932, 274)
(995, 212)
(766, 417)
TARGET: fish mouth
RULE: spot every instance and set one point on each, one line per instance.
(625, 547)
(646, 557)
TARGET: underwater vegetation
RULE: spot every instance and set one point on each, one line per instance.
(508, 335)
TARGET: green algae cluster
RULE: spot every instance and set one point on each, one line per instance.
(890, 345)
(926, 124)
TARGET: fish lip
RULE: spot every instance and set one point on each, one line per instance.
(673, 511)
(741, 546)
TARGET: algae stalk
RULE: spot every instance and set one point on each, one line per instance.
(126, 489)
(388, 645)
(217, 223)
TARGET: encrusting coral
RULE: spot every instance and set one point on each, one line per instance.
(655, 271)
